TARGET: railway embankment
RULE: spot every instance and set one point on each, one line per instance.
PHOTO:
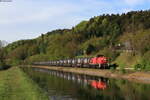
(135, 76)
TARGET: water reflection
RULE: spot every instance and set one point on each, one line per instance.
(98, 83)
(68, 86)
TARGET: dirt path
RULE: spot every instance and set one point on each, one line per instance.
(140, 77)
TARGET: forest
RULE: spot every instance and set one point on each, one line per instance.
(124, 38)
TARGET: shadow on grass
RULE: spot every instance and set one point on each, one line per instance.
(113, 66)
(5, 67)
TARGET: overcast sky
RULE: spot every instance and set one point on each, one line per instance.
(26, 19)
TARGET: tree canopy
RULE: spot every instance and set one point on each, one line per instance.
(101, 33)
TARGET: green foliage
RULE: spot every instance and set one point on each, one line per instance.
(37, 58)
(93, 45)
(146, 60)
(144, 63)
(3, 65)
(112, 69)
(63, 46)
(122, 70)
(99, 35)
(126, 59)
(90, 48)
(138, 67)
(14, 62)
(109, 52)
(138, 42)
(80, 27)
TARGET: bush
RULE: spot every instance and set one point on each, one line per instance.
(14, 62)
(3, 66)
(37, 58)
(113, 66)
(112, 69)
(138, 67)
(144, 63)
(108, 52)
(122, 71)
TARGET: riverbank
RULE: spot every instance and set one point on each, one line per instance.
(140, 77)
(15, 85)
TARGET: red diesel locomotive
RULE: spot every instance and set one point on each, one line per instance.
(99, 61)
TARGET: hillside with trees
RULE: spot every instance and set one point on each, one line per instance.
(125, 38)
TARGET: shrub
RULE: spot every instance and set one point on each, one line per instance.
(112, 69)
(13, 62)
(122, 70)
(37, 58)
(108, 52)
(144, 63)
(138, 67)
(3, 65)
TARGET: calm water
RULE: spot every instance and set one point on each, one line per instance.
(68, 86)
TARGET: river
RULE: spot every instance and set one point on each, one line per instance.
(60, 85)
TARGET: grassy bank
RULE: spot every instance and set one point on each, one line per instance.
(15, 85)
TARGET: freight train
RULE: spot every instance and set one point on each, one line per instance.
(100, 62)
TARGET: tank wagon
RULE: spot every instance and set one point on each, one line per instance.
(99, 61)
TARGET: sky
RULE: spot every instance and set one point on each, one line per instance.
(27, 19)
